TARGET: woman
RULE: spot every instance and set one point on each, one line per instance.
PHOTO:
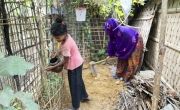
(73, 62)
(126, 44)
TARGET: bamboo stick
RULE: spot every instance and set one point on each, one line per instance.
(156, 88)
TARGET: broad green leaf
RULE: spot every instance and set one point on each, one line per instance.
(6, 96)
(27, 101)
(14, 65)
(1, 107)
(9, 108)
(1, 55)
(101, 52)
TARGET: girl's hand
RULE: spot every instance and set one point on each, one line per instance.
(49, 68)
(53, 54)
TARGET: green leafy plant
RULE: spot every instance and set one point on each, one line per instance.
(140, 2)
(10, 100)
(14, 65)
(51, 86)
(80, 3)
(101, 54)
(102, 8)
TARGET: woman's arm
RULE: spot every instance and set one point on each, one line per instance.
(111, 48)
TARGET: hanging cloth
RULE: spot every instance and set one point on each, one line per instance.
(126, 6)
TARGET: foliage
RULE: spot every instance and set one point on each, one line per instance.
(80, 3)
(28, 3)
(101, 54)
(16, 101)
(1, 55)
(140, 2)
(10, 100)
(51, 85)
(14, 65)
(102, 8)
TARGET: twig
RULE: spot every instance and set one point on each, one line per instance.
(125, 101)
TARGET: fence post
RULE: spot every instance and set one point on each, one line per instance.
(158, 70)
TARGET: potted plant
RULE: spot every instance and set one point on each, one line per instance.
(80, 9)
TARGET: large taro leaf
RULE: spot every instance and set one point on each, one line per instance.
(6, 96)
(27, 100)
(1, 55)
(9, 108)
(14, 65)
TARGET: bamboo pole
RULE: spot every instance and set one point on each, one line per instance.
(156, 88)
(40, 32)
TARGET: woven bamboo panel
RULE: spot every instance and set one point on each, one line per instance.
(173, 4)
(172, 31)
(151, 56)
(144, 22)
(144, 31)
(171, 68)
(171, 65)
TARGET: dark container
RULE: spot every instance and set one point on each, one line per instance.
(54, 61)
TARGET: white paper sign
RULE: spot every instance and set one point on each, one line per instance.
(80, 14)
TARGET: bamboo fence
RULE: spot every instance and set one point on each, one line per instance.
(171, 62)
(89, 35)
(24, 31)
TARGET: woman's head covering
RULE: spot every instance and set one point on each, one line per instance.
(110, 25)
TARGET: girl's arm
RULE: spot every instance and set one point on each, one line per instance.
(65, 51)
(66, 60)
(55, 53)
(64, 63)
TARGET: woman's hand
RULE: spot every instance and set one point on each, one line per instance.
(110, 57)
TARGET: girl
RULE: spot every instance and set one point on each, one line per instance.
(126, 44)
(73, 62)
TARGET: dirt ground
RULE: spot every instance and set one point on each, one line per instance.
(103, 90)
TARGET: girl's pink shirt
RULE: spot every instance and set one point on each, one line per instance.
(70, 49)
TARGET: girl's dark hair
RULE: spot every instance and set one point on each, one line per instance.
(58, 28)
